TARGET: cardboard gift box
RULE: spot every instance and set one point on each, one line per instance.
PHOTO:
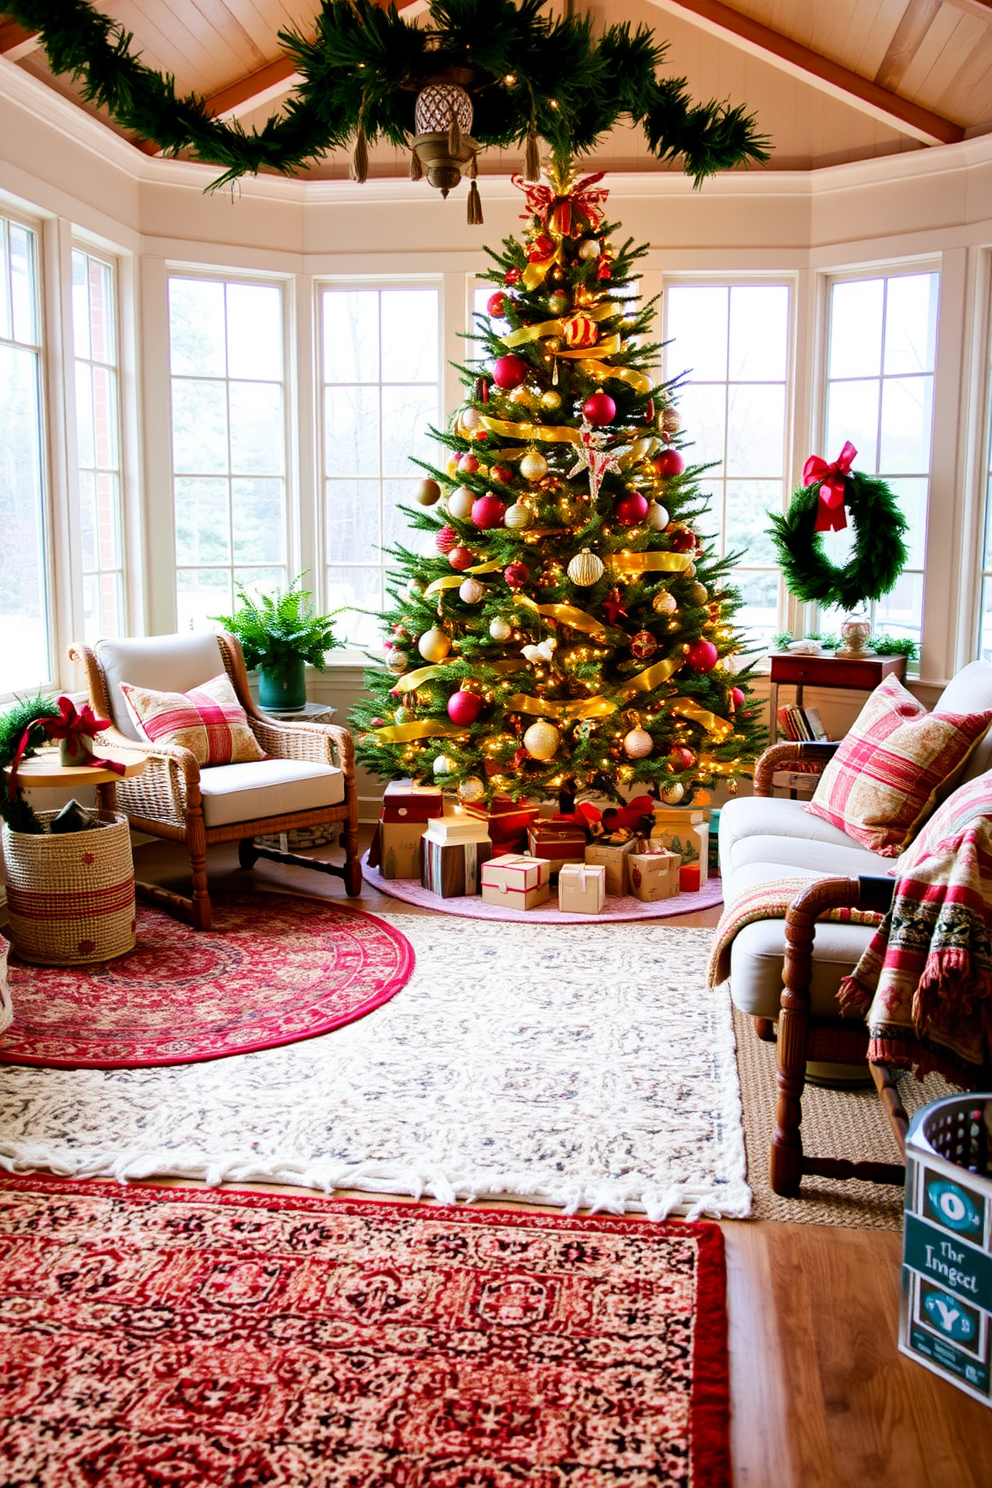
(686, 831)
(406, 810)
(516, 882)
(559, 842)
(615, 858)
(654, 875)
(450, 867)
(581, 889)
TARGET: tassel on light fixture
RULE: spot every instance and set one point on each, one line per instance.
(360, 157)
(474, 199)
(416, 169)
(532, 155)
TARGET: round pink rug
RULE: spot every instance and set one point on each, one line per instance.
(272, 970)
(410, 891)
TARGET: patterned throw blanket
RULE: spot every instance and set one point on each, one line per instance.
(769, 901)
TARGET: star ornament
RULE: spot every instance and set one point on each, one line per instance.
(594, 458)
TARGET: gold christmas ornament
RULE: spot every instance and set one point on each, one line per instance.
(551, 399)
(589, 248)
(638, 744)
(641, 448)
(669, 421)
(690, 572)
(533, 466)
(500, 630)
(444, 765)
(518, 515)
(698, 594)
(521, 395)
(460, 503)
(558, 302)
(541, 741)
(657, 517)
(672, 794)
(471, 591)
(664, 603)
(434, 645)
(472, 789)
(452, 465)
(585, 569)
(427, 492)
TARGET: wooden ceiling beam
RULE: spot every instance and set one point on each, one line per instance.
(907, 39)
(821, 72)
(980, 8)
(16, 42)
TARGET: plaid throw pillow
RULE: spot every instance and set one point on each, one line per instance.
(209, 721)
(885, 777)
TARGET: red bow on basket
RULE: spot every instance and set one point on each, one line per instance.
(583, 198)
(78, 725)
(831, 478)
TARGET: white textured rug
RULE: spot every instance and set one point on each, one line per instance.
(577, 1067)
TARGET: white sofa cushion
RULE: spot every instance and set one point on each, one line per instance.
(167, 663)
(275, 787)
(971, 692)
(754, 829)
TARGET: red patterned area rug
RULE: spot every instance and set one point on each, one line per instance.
(272, 970)
(190, 1338)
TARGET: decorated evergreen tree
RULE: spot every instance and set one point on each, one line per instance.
(566, 628)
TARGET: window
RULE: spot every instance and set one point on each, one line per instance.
(381, 392)
(25, 640)
(879, 395)
(98, 444)
(228, 442)
(733, 342)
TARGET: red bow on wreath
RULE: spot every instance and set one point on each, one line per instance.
(583, 197)
(76, 724)
(831, 479)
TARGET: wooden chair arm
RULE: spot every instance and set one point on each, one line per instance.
(810, 905)
(780, 756)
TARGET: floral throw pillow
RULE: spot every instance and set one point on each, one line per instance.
(885, 778)
(209, 721)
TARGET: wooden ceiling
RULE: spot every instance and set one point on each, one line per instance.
(829, 80)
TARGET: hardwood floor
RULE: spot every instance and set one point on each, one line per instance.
(821, 1396)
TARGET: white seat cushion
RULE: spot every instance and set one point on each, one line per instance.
(748, 836)
(166, 663)
(274, 787)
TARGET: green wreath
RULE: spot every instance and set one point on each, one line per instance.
(879, 550)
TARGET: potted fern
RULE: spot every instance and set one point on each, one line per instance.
(281, 636)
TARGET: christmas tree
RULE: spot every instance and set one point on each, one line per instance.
(566, 628)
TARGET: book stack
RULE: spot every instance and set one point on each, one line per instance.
(801, 724)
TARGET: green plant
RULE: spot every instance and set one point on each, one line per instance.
(882, 645)
(276, 630)
(23, 716)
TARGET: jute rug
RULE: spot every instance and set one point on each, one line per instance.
(836, 1123)
(580, 1068)
(272, 970)
(185, 1337)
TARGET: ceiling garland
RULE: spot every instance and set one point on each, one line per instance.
(529, 77)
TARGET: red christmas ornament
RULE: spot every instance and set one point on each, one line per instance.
(599, 409)
(681, 758)
(702, 656)
(467, 464)
(488, 512)
(509, 372)
(464, 707)
(516, 575)
(643, 645)
(512, 276)
(631, 509)
(669, 462)
(737, 698)
(446, 539)
(460, 558)
(541, 247)
(649, 412)
(580, 330)
(683, 540)
(604, 269)
(376, 722)
(496, 305)
(399, 630)
(502, 473)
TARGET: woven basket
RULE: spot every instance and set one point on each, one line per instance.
(70, 897)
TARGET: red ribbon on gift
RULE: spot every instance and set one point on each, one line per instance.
(832, 480)
(72, 723)
(584, 198)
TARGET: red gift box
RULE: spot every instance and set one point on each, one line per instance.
(403, 801)
(559, 842)
(507, 820)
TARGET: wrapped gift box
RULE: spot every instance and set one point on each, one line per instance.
(516, 881)
(654, 875)
(506, 820)
(458, 827)
(581, 889)
(615, 858)
(686, 831)
(450, 867)
(406, 810)
(559, 842)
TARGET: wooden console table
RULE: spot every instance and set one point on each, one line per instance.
(860, 674)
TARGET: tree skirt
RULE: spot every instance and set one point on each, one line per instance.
(589, 1068)
(625, 907)
(271, 971)
(186, 1337)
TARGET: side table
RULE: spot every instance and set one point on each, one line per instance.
(847, 673)
(309, 713)
(303, 837)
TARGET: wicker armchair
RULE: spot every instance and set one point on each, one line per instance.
(174, 799)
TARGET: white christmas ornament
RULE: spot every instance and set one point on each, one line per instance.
(518, 515)
(471, 591)
(472, 789)
(543, 652)
(672, 794)
(541, 741)
(444, 765)
(471, 418)
(585, 569)
(500, 630)
(533, 466)
(638, 744)
(658, 517)
(664, 603)
(459, 503)
(589, 248)
(434, 644)
(397, 661)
